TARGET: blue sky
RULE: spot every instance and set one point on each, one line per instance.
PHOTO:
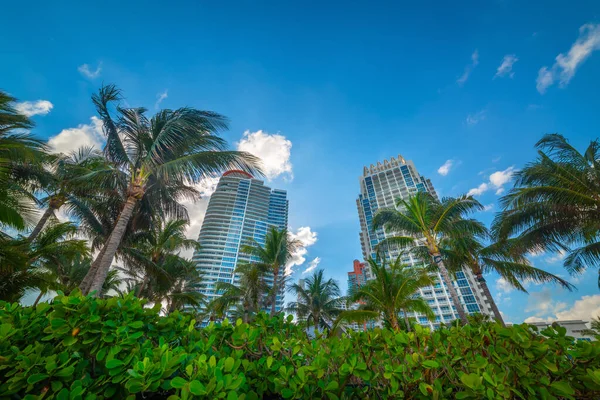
(323, 89)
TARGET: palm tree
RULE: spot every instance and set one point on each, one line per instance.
(394, 290)
(555, 202)
(424, 217)
(61, 183)
(148, 250)
(249, 292)
(319, 302)
(17, 149)
(502, 258)
(594, 329)
(169, 152)
(36, 259)
(274, 255)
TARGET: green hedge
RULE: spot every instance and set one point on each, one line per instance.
(84, 348)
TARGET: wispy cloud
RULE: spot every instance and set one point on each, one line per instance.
(312, 265)
(469, 68)
(160, 97)
(505, 69)
(445, 168)
(31, 108)
(474, 119)
(497, 181)
(488, 207)
(306, 238)
(559, 256)
(86, 70)
(566, 65)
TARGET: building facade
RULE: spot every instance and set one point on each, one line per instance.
(241, 209)
(357, 277)
(380, 186)
(574, 328)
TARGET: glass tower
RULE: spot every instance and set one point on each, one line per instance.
(380, 186)
(241, 208)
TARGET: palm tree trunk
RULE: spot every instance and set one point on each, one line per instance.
(487, 293)
(37, 299)
(273, 299)
(112, 244)
(40, 225)
(394, 322)
(86, 283)
(437, 258)
(142, 286)
(406, 321)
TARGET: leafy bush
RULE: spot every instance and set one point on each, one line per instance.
(85, 348)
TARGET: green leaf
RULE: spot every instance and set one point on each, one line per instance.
(197, 388)
(136, 324)
(269, 361)
(333, 385)
(232, 395)
(101, 354)
(431, 364)
(287, 393)
(63, 394)
(228, 365)
(57, 323)
(563, 387)
(178, 382)
(69, 341)
(35, 378)
(114, 363)
(65, 372)
(470, 380)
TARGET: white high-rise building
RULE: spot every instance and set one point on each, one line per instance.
(380, 186)
(241, 209)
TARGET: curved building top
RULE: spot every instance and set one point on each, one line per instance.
(238, 173)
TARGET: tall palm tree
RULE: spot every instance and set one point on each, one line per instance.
(249, 292)
(502, 258)
(555, 203)
(274, 255)
(319, 302)
(170, 151)
(394, 290)
(422, 219)
(17, 149)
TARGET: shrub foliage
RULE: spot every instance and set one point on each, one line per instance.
(85, 348)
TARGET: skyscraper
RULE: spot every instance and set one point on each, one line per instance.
(241, 208)
(380, 186)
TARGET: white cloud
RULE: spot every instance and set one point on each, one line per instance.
(87, 72)
(566, 65)
(503, 286)
(31, 108)
(473, 119)
(306, 238)
(497, 181)
(488, 207)
(160, 97)
(273, 149)
(312, 265)
(559, 256)
(445, 169)
(586, 308)
(543, 304)
(506, 67)
(71, 139)
(469, 68)
(479, 190)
